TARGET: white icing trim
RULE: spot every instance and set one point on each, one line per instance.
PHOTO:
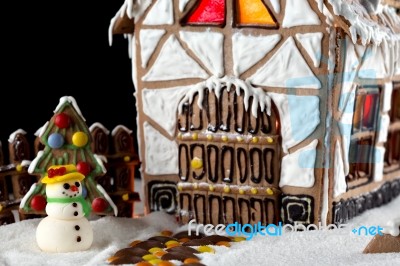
(299, 13)
(99, 125)
(387, 96)
(362, 24)
(101, 189)
(72, 101)
(149, 39)
(247, 50)
(392, 227)
(27, 195)
(383, 128)
(373, 66)
(286, 69)
(35, 161)
(298, 167)
(311, 42)
(25, 163)
(260, 98)
(174, 63)
(379, 156)
(133, 9)
(161, 13)
(161, 154)
(99, 159)
(118, 127)
(340, 185)
(12, 136)
(276, 6)
(161, 105)
(182, 4)
(299, 117)
(40, 131)
(208, 47)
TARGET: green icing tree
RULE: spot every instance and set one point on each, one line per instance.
(67, 140)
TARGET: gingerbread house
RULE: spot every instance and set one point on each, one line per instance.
(265, 111)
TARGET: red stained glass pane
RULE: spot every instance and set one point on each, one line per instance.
(370, 103)
(208, 12)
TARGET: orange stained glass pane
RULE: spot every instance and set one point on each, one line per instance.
(254, 12)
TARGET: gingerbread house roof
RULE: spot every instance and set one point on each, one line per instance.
(366, 21)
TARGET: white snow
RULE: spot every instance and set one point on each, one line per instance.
(334, 247)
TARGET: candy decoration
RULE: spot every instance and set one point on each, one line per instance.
(83, 168)
(99, 205)
(62, 120)
(80, 139)
(84, 191)
(55, 140)
(38, 203)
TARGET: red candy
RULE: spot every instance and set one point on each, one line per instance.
(38, 203)
(56, 172)
(62, 120)
(99, 205)
(83, 168)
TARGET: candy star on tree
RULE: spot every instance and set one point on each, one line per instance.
(66, 139)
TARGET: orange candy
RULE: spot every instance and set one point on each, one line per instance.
(223, 243)
(191, 260)
(165, 263)
(183, 240)
(160, 253)
(144, 263)
(134, 243)
(166, 233)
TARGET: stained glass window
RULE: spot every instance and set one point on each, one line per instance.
(207, 12)
(254, 13)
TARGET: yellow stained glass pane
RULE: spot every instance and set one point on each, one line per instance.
(254, 12)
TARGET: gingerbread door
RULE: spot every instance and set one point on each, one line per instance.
(229, 161)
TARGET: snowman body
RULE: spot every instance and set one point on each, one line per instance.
(66, 228)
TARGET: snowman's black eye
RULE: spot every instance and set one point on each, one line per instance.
(66, 186)
(77, 184)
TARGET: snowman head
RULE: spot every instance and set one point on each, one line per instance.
(63, 181)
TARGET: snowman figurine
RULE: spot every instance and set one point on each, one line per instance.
(66, 228)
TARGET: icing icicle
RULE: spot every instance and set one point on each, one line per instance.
(260, 98)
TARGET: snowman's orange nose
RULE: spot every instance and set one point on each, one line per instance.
(74, 188)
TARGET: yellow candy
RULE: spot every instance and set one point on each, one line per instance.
(1, 207)
(154, 250)
(270, 191)
(209, 137)
(195, 136)
(254, 190)
(80, 139)
(239, 238)
(196, 163)
(239, 139)
(127, 158)
(179, 135)
(125, 197)
(18, 168)
(172, 243)
(254, 140)
(149, 257)
(270, 140)
(195, 186)
(155, 261)
(224, 138)
(227, 189)
(241, 191)
(180, 187)
(211, 188)
(206, 249)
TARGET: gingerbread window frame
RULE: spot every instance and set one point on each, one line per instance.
(363, 138)
(392, 145)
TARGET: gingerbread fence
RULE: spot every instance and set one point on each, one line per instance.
(116, 150)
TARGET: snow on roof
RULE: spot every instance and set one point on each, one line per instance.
(72, 101)
(35, 161)
(12, 135)
(133, 9)
(115, 130)
(41, 130)
(99, 125)
(100, 159)
(373, 26)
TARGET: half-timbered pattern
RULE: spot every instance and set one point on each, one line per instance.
(263, 110)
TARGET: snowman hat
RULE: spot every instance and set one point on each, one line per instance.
(61, 173)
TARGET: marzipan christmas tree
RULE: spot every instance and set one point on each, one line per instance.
(67, 140)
